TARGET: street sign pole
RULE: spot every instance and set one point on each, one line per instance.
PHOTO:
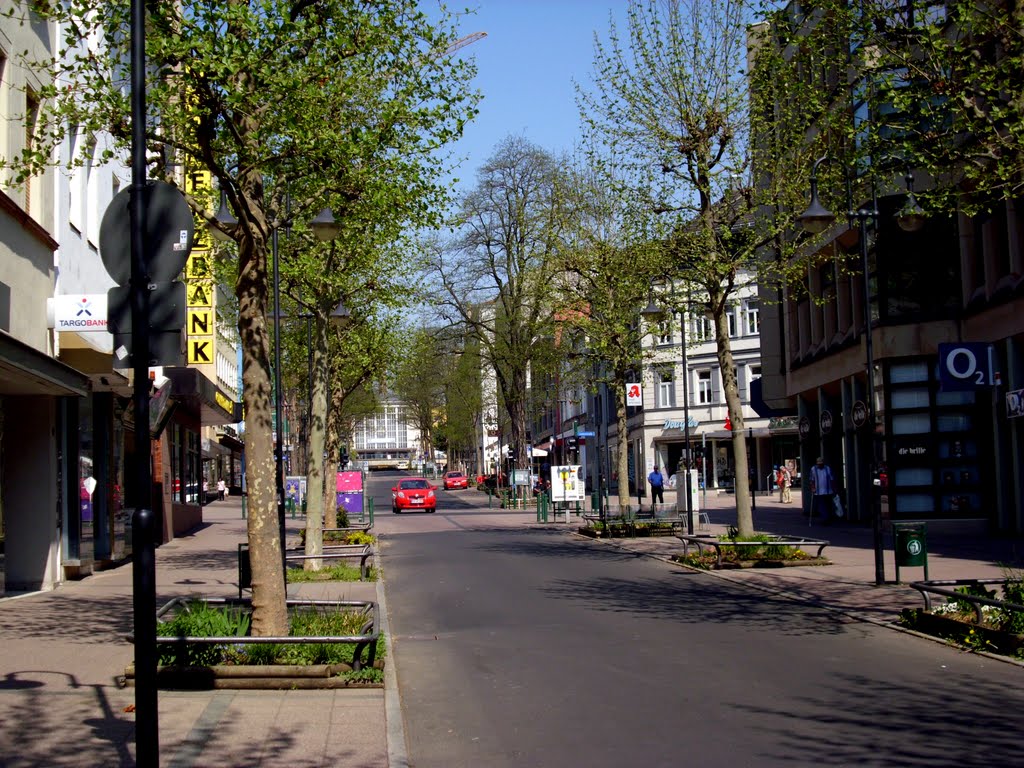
(147, 736)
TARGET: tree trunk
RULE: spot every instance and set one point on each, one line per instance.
(269, 615)
(333, 448)
(317, 433)
(744, 515)
(622, 447)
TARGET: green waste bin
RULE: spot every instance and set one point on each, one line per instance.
(911, 541)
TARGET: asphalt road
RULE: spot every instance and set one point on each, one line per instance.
(517, 645)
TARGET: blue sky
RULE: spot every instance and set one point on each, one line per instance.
(533, 51)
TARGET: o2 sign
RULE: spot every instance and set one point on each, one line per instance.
(965, 366)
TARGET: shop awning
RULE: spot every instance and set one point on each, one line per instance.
(201, 394)
(27, 371)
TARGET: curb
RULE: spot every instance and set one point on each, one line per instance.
(398, 750)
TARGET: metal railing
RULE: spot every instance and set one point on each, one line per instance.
(365, 639)
(947, 588)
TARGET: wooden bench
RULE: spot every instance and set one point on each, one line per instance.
(701, 541)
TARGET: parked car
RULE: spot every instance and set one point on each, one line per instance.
(453, 480)
(413, 493)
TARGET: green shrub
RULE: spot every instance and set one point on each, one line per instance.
(197, 619)
(336, 572)
(359, 537)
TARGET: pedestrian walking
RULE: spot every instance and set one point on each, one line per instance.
(222, 489)
(785, 482)
(657, 481)
(823, 490)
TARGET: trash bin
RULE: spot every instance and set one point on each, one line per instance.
(911, 543)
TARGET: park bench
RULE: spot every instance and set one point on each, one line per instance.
(707, 540)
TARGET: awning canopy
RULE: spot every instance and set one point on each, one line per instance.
(27, 371)
(202, 395)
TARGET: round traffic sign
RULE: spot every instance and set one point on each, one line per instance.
(167, 233)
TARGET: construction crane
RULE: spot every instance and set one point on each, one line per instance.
(462, 42)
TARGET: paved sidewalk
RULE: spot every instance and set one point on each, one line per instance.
(62, 651)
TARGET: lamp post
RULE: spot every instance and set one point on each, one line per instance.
(653, 313)
(324, 228)
(910, 218)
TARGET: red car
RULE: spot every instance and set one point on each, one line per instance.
(453, 480)
(413, 493)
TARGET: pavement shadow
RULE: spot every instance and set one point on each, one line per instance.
(67, 616)
(88, 728)
(694, 598)
(946, 720)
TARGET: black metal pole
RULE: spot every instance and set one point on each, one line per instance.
(753, 464)
(147, 734)
(876, 510)
(309, 388)
(686, 428)
(278, 420)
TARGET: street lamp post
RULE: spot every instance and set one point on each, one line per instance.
(910, 218)
(652, 312)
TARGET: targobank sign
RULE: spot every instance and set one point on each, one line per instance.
(80, 312)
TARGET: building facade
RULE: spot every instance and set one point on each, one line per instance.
(944, 311)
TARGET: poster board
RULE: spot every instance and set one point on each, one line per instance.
(567, 483)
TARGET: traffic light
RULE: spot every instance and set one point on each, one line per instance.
(571, 443)
(509, 452)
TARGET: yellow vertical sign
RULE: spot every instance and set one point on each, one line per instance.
(199, 280)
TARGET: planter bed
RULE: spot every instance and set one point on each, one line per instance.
(217, 654)
(255, 677)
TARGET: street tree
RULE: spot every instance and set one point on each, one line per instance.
(669, 104)
(359, 354)
(418, 381)
(926, 85)
(292, 106)
(494, 278)
(606, 269)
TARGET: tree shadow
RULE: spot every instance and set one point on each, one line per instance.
(946, 719)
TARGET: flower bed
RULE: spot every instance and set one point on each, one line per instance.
(995, 625)
(207, 644)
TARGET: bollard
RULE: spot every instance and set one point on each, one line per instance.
(489, 497)
(369, 503)
(245, 505)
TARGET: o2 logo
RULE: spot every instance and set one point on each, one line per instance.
(965, 366)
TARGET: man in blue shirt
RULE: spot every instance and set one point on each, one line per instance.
(657, 481)
(823, 488)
